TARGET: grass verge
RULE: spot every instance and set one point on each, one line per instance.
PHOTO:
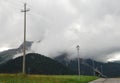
(18, 78)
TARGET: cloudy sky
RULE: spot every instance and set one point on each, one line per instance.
(60, 25)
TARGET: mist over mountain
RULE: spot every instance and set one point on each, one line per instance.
(87, 66)
(13, 59)
(9, 54)
(63, 55)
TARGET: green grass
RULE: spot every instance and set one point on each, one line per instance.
(18, 78)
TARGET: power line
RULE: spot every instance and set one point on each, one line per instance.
(24, 45)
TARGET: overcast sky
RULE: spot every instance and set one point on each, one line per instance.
(60, 25)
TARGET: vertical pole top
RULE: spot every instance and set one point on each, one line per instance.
(78, 47)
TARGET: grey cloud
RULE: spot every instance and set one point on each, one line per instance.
(61, 25)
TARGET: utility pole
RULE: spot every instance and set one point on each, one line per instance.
(24, 44)
(93, 67)
(101, 69)
(78, 48)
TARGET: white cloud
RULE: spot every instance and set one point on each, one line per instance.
(3, 49)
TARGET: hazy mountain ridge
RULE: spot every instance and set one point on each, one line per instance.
(9, 54)
(110, 69)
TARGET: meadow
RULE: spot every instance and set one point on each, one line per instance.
(18, 78)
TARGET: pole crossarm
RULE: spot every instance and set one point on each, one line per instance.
(25, 9)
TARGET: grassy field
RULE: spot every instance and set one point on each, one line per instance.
(18, 78)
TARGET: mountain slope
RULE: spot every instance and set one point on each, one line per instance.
(110, 69)
(9, 54)
(35, 64)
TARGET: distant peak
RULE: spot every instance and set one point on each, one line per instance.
(28, 45)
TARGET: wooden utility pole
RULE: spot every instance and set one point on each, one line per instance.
(93, 67)
(24, 44)
(101, 69)
(78, 48)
